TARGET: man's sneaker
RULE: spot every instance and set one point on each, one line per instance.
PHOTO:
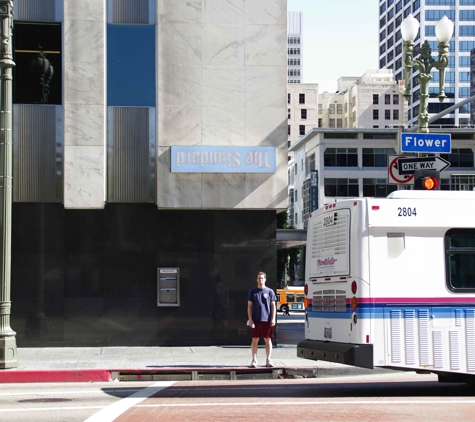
(254, 363)
(269, 363)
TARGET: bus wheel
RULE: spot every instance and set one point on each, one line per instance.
(285, 309)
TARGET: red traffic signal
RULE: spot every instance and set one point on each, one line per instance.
(426, 180)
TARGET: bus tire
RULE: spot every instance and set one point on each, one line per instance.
(285, 309)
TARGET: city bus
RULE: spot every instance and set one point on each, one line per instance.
(390, 282)
(291, 298)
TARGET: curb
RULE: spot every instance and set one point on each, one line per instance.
(60, 375)
(159, 374)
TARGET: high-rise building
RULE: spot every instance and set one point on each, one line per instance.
(457, 79)
(294, 47)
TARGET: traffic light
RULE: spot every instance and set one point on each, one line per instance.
(426, 180)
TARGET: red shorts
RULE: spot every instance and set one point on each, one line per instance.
(263, 330)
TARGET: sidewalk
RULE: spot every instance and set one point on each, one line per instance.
(92, 364)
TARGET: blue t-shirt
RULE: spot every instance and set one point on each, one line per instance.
(261, 299)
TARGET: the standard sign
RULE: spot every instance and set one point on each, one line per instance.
(212, 159)
(425, 142)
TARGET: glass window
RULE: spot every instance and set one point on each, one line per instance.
(460, 259)
(464, 61)
(387, 114)
(131, 65)
(464, 76)
(436, 15)
(302, 130)
(339, 109)
(395, 114)
(464, 92)
(303, 113)
(466, 30)
(387, 99)
(375, 114)
(375, 98)
(461, 157)
(341, 187)
(37, 53)
(376, 157)
(288, 98)
(340, 157)
(466, 15)
(395, 99)
(301, 98)
(377, 188)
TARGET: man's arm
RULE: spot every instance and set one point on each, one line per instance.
(249, 313)
(273, 311)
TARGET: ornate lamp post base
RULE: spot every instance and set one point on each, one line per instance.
(8, 352)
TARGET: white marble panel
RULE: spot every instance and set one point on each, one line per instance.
(84, 83)
(223, 44)
(84, 177)
(179, 125)
(266, 126)
(176, 190)
(179, 85)
(84, 124)
(266, 45)
(223, 85)
(223, 11)
(91, 10)
(224, 190)
(265, 191)
(179, 43)
(84, 41)
(224, 125)
(184, 11)
(266, 86)
(266, 12)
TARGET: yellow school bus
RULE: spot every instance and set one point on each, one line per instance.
(290, 299)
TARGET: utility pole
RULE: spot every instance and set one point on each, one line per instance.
(8, 349)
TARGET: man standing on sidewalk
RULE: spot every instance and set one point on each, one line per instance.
(261, 312)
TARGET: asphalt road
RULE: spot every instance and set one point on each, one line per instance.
(386, 397)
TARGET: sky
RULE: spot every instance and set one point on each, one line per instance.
(340, 38)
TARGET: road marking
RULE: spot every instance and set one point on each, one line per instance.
(65, 393)
(113, 411)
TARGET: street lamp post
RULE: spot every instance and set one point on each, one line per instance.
(443, 31)
(8, 349)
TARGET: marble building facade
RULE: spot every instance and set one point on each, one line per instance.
(98, 205)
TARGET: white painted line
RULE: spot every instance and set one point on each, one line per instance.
(113, 411)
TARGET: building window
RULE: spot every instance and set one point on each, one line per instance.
(303, 113)
(375, 114)
(339, 109)
(387, 99)
(35, 45)
(320, 123)
(288, 130)
(332, 122)
(395, 99)
(461, 157)
(140, 90)
(302, 130)
(377, 188)
(340, 157)
(341, 187)
(395, 114)
(301, 98)
(320, 108)
(339, 123)
(375, 99)
(387, 114)
(296, 219)
(288, 113)
(288, 98)
(331, 108)
(296, 195)
(376, 157)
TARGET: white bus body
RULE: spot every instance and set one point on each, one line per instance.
(391, 283)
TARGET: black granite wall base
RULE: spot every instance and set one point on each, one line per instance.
(89, 277)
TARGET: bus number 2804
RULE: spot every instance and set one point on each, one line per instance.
(406, 212)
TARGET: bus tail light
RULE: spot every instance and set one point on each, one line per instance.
(305, 303)
(305, 289)
(353, 287)
(354, 303)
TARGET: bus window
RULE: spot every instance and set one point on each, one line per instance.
(300, 298)
(290, 297)
(460, 256)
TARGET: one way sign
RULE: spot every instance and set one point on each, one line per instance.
(410, 165)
